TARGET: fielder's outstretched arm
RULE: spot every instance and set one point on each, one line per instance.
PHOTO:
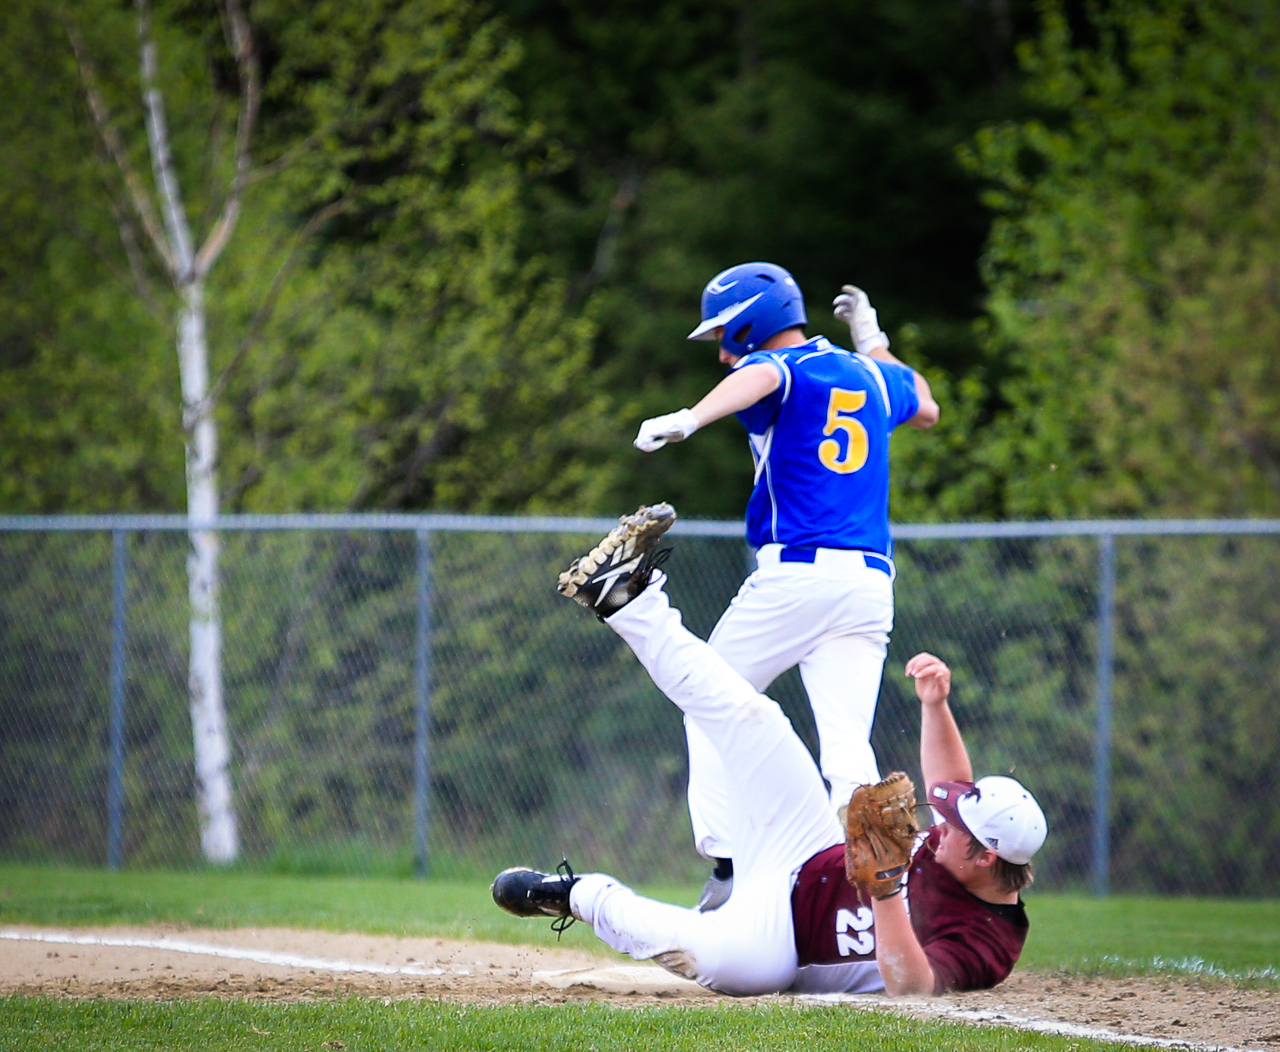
(943, 756)
(904, 967)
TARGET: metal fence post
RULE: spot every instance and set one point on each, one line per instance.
(115, 732)
(422, 706)
(1102, 742)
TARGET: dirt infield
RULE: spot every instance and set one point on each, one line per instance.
(281, 965)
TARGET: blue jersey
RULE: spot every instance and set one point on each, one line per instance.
(821, 447)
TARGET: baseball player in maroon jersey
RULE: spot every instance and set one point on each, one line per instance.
(794, 922)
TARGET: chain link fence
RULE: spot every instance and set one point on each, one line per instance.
(408, 694)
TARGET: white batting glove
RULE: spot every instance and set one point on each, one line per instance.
(854, 309)
(657, 431)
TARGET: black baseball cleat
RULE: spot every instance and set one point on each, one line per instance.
(529, 893)
(617, 569)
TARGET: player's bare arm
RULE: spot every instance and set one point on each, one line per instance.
(927, 415)
(901, 959)
(903, 964)
(741, 388)
(943, 756)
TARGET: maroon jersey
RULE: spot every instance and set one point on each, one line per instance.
(971, 944)
(832, 918)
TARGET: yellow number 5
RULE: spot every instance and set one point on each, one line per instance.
(855, 434)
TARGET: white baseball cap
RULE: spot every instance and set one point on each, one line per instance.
(997, 811)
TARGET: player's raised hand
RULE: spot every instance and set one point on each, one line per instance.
(657, 431)
(854, 309)
(932, 676)
(847, 303)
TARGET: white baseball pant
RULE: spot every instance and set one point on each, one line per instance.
(780, 819)
(832, 617)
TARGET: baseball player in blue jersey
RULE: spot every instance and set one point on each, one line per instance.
(819, 419)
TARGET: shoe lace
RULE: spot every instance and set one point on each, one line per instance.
(561, 923)
(643, 572)
(651, 562)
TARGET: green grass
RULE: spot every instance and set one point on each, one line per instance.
(1238, 939)
(31, 1024)
(67, 897)
(1073, 934)
(1126, 935)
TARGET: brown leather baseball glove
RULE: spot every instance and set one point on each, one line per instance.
(880, 832)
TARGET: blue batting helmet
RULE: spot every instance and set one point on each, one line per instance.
(753, 301)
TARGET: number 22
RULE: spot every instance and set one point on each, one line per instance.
(859, 921)
(844, 402)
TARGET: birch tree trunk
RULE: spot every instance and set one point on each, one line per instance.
(212, 748)
(161, 214)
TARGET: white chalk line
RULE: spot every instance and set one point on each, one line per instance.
(234, 953)
(1044, 1026)
(322, 964)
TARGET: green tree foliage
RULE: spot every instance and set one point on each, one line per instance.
(379, 338)
(422, 361)
(1134, 269)
(80, 355)
(820, 136)
(1134, 273)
